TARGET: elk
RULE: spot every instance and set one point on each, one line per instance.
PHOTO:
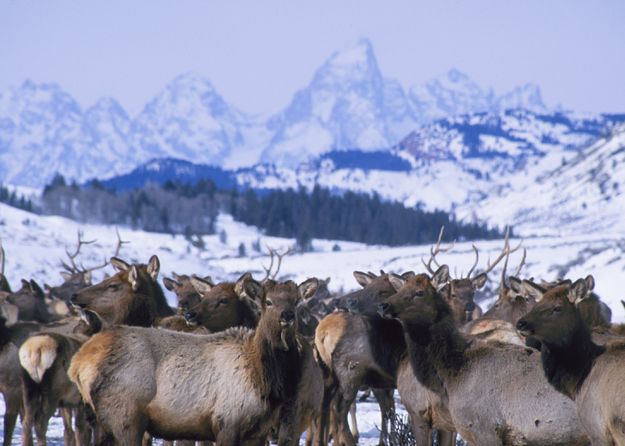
(460, 292)
(132, 296)
(223, 305)
(359, 349)
(474, 378)
(227, 387)
(186, 294)
(29, 300)
(11, 337)
(44, 358)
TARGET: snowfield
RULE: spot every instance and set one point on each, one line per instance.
(35, 245)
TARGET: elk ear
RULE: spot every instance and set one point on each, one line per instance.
(239, 288)
(479, 281)
(65, 275)
(327, 280)
(154, 266)
(133, 277)
(408, 274)
(86, 278)
(119, 264)
(308, 288)
(530, 289)
(26, 286)
(397, 281)
(200, 285)
(254, 290)
(37, 291)
(590, 282)
(170, 284)
(623, 303)
(515, 284)
(440, 277)
(578, 291)
(363, 279)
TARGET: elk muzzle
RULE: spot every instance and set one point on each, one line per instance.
(524, 328)
(385, 310)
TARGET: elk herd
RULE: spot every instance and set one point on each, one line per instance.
(259, 360)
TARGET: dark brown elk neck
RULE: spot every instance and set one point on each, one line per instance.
(437, 351)
(276, 371)
(386, 337)
(568, 364)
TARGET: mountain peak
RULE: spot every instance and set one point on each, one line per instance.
(527, 96)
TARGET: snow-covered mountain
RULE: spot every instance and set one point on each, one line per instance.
(348, 105)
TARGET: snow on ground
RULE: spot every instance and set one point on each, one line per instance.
(35, 245)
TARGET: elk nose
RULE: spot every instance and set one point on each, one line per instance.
(287, 316)
(383, 307)
(470, 306)
(190, 316)
(352, 303)
(336, 303)
(74, 301)
(522, 325)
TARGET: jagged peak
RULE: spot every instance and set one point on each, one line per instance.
(354, 63)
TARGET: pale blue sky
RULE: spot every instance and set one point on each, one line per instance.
(258, 53)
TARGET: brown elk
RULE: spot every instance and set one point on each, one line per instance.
(588, 373)
(474, 378)
(223, 305)
(227, 387)
(44, 358)
(186, 294)
(132, 296)
(359, 349)
(30, 301)
(11, 337)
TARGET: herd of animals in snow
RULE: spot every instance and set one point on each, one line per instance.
(261, 357)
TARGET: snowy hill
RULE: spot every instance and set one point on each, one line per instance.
(35, 245)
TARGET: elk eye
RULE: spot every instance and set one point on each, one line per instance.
(113, 286)
(268, 303)
(222, 302)
(418, 294)
(556, 310)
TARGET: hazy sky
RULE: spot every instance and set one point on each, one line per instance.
(258, 53)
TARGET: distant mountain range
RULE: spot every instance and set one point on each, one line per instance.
(348, 105)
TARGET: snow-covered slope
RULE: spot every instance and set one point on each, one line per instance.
(35, 245)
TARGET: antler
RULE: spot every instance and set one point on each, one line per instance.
(107, 261)
(518, 269)
(435, 250)
(72, 268)
(273, 253)
(1, 258)
(477, 259)
(506, 251)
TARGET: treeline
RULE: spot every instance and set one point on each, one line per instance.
(172, 208)
(192, 209)
(11, 198)
(349, 216)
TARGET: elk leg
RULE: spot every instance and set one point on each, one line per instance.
(13, 407)
(446, 438)
(352, 415)
(386, 402)
(344, 401)
(69, 435)
(81, 426)
(41, 428)
(28, 419)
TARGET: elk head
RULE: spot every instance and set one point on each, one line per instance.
(130, 293)
(417, 299)
(364, 301)
(555, 320)
(223, 305)
(72, 283)
(187, 295)
(279, 305)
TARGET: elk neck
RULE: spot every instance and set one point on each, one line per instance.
(567, 364)
(276, 370)
(436, 350)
